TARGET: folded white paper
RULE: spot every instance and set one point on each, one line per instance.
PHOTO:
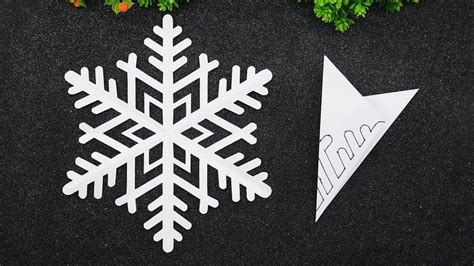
(351, 125)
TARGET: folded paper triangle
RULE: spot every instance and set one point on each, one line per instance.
(351, 125)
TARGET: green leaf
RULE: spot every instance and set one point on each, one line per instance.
(145, 3)
(393, 5)
(343, 24)
(167, 5)
(325, 13)
(360, 10)
(129, 3)
(111, 2)
(115, 7)
(320, 2)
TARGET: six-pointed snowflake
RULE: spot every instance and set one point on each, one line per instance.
(167, 133)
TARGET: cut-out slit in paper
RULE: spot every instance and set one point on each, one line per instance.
(351, 125)
(166, 133)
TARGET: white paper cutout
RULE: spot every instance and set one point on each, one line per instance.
(351, 125)
(168, 133)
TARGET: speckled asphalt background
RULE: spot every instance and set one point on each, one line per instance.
(410, 201)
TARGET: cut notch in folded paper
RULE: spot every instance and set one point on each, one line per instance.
(351, 125)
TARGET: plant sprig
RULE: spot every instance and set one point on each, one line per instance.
(343, 13)
(122, 6)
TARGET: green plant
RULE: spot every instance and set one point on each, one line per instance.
(122, 6)
(343, 13)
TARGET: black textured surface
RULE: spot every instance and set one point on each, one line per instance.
(410, 201)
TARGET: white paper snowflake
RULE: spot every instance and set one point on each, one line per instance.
(168, 133)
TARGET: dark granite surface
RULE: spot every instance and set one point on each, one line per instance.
(410, 200)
